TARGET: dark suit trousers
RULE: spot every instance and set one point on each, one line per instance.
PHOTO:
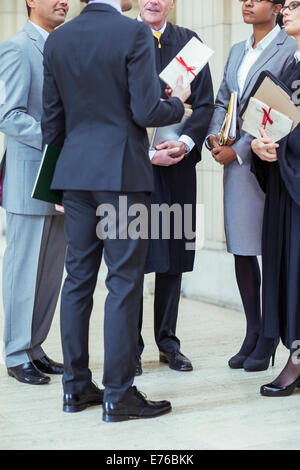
(125, 259)
(166, 304)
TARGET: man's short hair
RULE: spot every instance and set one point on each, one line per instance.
(28, 8)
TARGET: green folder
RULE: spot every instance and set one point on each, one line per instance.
(45, 175)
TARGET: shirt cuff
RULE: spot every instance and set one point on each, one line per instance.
(151, 154)
(207, 143)
(239, 159)
(187, 141)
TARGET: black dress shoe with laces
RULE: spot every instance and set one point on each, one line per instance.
(134, 406)
(27, 373)
(138, 367)
(91, 396)
(176, 360)
(46, 365)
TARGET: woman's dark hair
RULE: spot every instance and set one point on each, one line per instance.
(279, 17)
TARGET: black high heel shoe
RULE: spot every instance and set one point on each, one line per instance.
(258, 365)
(237, 361)
(272, 390)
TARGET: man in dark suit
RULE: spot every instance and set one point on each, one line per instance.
(174, 184)
(100, 92)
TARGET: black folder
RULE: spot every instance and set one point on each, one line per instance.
(44, 178)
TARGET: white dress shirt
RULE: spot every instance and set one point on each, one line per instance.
(184, 138)
(252, 55)
(42, 31)
(112, 3)
(297, 56)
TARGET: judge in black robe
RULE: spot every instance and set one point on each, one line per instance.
(281, 246)
(176, 184)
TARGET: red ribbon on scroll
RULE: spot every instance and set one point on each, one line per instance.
(188, 69)
(266, 118)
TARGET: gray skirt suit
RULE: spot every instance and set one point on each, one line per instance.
(243, 199)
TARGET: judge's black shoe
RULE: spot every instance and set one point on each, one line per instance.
(273, 390)
(27, 373)
(74, 402)
(46, 365)
(176, 360)
(138, 367)
(134, 406)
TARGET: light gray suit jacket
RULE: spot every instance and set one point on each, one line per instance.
(243, 198)
(21, 70)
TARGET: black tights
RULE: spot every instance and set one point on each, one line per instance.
(249, 282)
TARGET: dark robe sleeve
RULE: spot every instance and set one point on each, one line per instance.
(289, 163)
(260, 168)
(202, 101)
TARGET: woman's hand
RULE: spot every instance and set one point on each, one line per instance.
(264, 147)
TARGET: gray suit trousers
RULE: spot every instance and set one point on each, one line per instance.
(32, 274)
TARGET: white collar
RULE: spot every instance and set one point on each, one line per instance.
(112, 3)
(265, 41)
(42, 31)
(297, 56)
(162, 30)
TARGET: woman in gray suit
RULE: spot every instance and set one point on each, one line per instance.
(269, 48)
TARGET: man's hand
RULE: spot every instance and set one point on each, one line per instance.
(224, 155)
(214, 141)
(264, 147)
(59, 208)
(180, 91)
(173, 144)
(166, 157)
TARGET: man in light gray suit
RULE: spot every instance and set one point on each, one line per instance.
(34, 257)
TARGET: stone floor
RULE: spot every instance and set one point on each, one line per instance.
(213, 407)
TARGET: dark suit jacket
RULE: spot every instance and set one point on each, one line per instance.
(100, 92)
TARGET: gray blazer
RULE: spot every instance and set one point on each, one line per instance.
(21, 70)
(243, 198)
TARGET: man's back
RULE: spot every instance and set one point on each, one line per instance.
(104, 73)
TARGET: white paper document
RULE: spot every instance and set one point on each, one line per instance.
(259, 115)
(189, 62)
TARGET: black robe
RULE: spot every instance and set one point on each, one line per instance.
(177, 184)
(281, 234)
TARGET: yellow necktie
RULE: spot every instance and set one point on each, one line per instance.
(158, 35)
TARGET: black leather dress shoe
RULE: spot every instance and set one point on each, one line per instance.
(46, 365)
(134, 406)
(138, 367)
(74, 402)
(176, 361)
(273, 390)
(27, 373)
